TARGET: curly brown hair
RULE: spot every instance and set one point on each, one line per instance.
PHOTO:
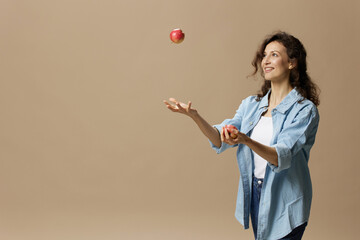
(299, 78)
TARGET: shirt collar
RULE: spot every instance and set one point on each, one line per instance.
(264, 102)
(285, 104)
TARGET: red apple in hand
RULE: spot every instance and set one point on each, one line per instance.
(177, 35)
(231, 129)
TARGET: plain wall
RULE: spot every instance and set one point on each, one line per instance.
(89, 151)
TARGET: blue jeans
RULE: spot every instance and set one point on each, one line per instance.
(296, 233)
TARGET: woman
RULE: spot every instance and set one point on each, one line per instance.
(275, 132)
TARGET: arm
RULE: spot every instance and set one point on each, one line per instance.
(297, 136)
(266, 152)
(211, 133)
(300, 134)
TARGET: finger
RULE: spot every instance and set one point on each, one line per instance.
(166, 103)
(189, 105)
(176, 102)
(236, 138)
(183, 105)
(230, 140)
(222, 134)
(234, 134)
(226, 134)
(171, 107)
(173, 104)
(173, 100)
(179, 106)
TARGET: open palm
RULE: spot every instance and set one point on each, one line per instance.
(180, 107)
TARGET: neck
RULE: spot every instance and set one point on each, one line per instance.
(278, 92)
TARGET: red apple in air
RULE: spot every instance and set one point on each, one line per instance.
(177, 35)
(230, 129)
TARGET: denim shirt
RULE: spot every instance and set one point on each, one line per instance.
(287, 190)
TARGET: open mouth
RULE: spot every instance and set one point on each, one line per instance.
(268, 69)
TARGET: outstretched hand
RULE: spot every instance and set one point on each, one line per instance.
(180, 107)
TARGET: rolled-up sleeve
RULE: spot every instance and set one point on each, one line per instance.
(298, 136)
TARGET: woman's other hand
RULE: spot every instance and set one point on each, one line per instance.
(241, 138)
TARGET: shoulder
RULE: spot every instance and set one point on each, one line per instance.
(251, 100)
(306, 106)
(305, 109)
(248, 103)
(248, 106)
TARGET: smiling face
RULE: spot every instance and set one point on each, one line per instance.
(275, 63)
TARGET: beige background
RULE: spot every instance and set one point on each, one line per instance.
(89, 151)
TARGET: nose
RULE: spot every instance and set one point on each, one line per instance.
(266, 60)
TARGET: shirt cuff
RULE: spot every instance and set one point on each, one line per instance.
(284, 158)
(223, 146)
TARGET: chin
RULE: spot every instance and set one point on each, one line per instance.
(269, 78)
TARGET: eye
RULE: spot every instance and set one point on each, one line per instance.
(274, 54)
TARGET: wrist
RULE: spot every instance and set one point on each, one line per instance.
(248, 141)
(195, 116)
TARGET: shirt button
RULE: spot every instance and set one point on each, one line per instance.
(251, 123)
(259, 182)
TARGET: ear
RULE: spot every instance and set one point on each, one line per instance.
(292, 63)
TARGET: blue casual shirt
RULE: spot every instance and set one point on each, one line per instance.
(287, 191)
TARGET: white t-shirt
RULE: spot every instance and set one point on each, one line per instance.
(262, 133)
